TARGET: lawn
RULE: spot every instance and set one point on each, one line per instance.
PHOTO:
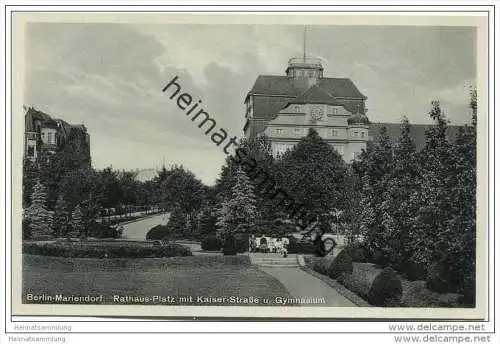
(163, 280)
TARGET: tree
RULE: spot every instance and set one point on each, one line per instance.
(177, 223)
(61, 217)
(313, 173)
(112, 190)
(77, 222)
(181, 189)
(377, 171)
(403, 184)
(463, 223)
(207, 223)
(39, 219)
(30, 177)
(82, 186)
(239, 210)
(438, 229)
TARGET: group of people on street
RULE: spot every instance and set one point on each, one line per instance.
(268, 244)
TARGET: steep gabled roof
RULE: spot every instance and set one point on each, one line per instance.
(278, 85)
(33, 115)
(315, 95)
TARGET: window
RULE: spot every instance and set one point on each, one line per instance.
(355, 134)
(278, 131)
(332, 111)
(31, 151)
(297, 131)
(362, 134)
(49, 138)
(311, 74)
(296, 108)
(335, 132)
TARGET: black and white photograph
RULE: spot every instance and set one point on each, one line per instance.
(296, 169)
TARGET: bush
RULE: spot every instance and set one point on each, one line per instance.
(229, 246)
(211, 243)
(26, 230)
(84, 249)
(335, 265)
(416, 294)
(301, 247)
(358, 252)
(241, 242)
(157, 233)
(380, 287)
(99, 230)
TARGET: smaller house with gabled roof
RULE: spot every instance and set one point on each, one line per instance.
(44, 134)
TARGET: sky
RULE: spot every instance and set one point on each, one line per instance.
(110, 76)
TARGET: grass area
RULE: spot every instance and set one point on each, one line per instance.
(192, 277)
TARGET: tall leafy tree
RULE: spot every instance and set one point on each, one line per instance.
(377, 170)
(30, 177)
(77, 223)
(313, 174)
(463, 222)
(40, 219)
(239, 210)
(180, 188)
(404, 183)
(435, 244)
(61, 217)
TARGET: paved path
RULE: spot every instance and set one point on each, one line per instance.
(137, 230)
(298, 282)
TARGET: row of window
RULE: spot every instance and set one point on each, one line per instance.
(333, 132)
(331, 111)
(50, 138)
(304, 72)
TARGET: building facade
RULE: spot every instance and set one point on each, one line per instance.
(43, 135)
(284, 108)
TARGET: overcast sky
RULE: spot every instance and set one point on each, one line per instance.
(110, 77)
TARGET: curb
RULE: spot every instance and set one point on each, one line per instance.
(351, 296)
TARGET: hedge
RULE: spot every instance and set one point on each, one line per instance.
(211, 243)
(416, 294)
(335, 265)
(380, 287)
(301, 247)
(157, 233)
(83, 249)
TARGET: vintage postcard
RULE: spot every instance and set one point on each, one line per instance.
(250, 166)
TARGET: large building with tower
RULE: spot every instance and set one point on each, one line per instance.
(285, 107)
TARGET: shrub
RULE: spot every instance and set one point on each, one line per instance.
(211, 243)
(241, 242)
(416, 294)
(301, 247)
(26, 230)
(335, 265)
(358, 252)
(229, 246)
(157, 233)
(380, 287)
(99, 230)
(83, 249)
